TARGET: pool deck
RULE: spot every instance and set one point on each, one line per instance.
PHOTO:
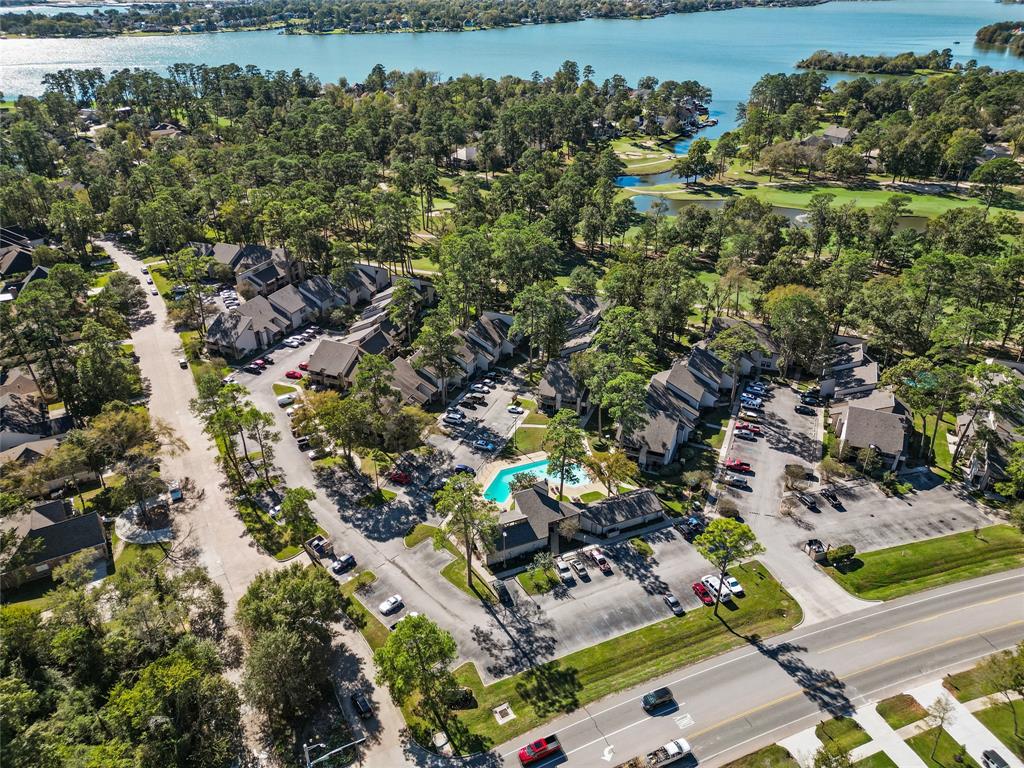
(491, 470)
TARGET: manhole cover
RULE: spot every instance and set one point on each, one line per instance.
(503, 713)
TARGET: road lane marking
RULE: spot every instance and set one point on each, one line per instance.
(1015, 596)
(863, 696)
(609, 735)
(684, 721)
(854, 673)
(608, 753)
(713, 667)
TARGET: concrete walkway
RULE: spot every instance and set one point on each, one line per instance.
(883, 739)
(802, 746)
(963, 726)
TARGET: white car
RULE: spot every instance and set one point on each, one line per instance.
(149, 280)
(480, 388)
(733, 584)
(714, 585)
(749, 415)
(154, 292)
(449, 419)
(564, 571)
(290, 343)
(517, 410)
(455, 413)
(390, 605)
(745, 434)
(275, 514)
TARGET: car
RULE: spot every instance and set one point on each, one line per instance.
(714, 584)
(749, 415)
(601, 561)
(469, 405)
(479, 388)
(516, 409)
(154, 292)
(475, 398)
(455, 413)
(317, 453)
(260, 363)
(229, 379)
(749, 427)
(745, 434)
(673, 603)
(992, 759)
(579, 567)
(182, 363)
(303, 366)
(149, 281)
(275, 513)
(750, 401)
(504, 596)
(488, 382)
(145, 270)
(390, 605)
(343, 563)
(394, 624)
(174, 491)
(656, 698)
(399, 476)
(484, 445)
(807, 500)
(293, 375)
(362, 706)
(302, 442)
(252, 369)
(804, 410)
(831, 497)
(449, 419)
(756, 387)
(736, 481)
(464, 468)
(757, 394)
(539, 750)
(564, 571)
(810, 400)
(703, 594)
(267, 359)
(736, 465)
(291, 343)
(733, 584)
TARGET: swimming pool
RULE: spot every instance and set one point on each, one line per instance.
(498, 491)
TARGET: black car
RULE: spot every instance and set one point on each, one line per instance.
(504, 596)
(268, 360)
(810, 400)
(807, 500)
(253, 369)
(469, 405)
(362, 705)
(992, 759)
(806, 410)
(343, 563)
(831, 497)
(657, 698)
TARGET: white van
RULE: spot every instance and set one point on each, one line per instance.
(285, 400)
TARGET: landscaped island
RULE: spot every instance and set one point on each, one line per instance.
(1004, 34)
(349, 16)
(906, 63)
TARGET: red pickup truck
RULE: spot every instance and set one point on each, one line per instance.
(537, 750)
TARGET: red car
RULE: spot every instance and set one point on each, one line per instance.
(303, 366)
(398, 476)
(736, 465)
(749, 427)
(293, 375)
(260, 363)
(537, 750)
(702, 592)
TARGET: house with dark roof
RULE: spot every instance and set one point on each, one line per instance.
(708, 369)
(984, 462)
(413, 386)
(290, 304)
(492, 331)
(670, 421)
(587, 311)
(333, 364)
(51, 537)
(559, 389)
(686, 384)
(320, 296)
(764, 360)
(887, 433)
(537, 521)
(27, 239)
(241, 331)
(14, 259)
(36, 273)
(850, 372)
(365, 281)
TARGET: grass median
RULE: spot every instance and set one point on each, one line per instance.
(942, 754)
(1000, 720)
(772, 756)
(888, 573)
(568, 683)
(901, 710)
(455, 571)
(373, 629)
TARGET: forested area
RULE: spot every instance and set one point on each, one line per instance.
(351, 15)
(899, 64)
(1004, 34)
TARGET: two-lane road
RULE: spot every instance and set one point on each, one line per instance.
(764, 691)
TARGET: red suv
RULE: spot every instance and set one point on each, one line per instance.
(537, 750)
(293, 375)
(736, 465)
(400, 477)
(303, 366)
(702, 592)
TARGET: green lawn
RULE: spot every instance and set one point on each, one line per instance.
(160, 280)
(901, 710)
(538, 583)
(377, 498)
(999, 720)
(888, 573)
(945, 754)
(373, 629)
(34, 594)
(528, 439)
(419, 534)
(877, 760)
(845, 731)
(943, 458)
(970, 684)
(713, 425)
(591, 496)
(641, 547)
(772, 756)
(571, 682)
(533, 416)
(283, 389)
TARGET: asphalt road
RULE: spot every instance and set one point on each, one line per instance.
(735, 703)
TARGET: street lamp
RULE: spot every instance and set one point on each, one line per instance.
(504, 552)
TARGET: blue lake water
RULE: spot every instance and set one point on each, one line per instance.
(498, 491)
(726, 50)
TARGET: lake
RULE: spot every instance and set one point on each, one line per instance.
(725, 50)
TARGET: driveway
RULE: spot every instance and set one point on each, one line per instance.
(787, 438)
(224, 548)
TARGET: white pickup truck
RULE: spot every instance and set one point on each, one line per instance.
(668, 754)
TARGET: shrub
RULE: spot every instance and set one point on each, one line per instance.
(728, 508)
(842, 553)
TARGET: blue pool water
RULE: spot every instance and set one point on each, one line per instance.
(498, 491)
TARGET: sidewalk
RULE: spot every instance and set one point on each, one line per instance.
(963, 726)
(883, 739)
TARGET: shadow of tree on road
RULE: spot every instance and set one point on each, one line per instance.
(636, 567)
(389, 521)
(516, 639)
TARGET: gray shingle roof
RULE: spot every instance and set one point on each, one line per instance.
(288, 299)
(865, 427)
(558, 380)
(616, 510)
(334, 358)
